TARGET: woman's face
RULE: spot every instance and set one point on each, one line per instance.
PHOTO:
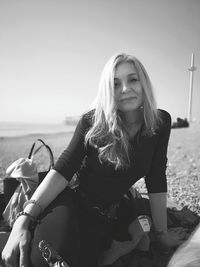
(128, 90)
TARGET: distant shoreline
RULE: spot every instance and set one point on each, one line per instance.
(8, 130)
(35, 135)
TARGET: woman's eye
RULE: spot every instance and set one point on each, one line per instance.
(133, 80)
(116, 85)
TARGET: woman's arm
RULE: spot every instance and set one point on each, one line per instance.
(68, 163)
(158, 205)
(53, 184)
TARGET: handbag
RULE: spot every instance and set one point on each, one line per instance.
(10, 184)
(21, 181)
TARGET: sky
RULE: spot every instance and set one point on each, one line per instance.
(52, 53)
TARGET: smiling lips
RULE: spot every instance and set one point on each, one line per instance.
(128, 98)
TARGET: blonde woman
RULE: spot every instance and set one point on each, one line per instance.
(123, 138)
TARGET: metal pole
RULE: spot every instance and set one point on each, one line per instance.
(191, 69)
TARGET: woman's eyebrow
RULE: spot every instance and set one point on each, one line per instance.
(132, 74)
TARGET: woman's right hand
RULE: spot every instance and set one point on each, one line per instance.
(15, 252)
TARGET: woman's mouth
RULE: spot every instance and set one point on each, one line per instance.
(128, 98)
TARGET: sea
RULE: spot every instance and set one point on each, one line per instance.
(14, 129)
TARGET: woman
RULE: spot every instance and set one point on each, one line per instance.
(125, 137)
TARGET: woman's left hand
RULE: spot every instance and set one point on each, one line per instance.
(173, 238)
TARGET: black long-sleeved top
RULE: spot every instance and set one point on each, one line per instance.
(100, 181)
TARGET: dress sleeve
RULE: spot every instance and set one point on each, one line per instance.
(156, 178)
(70, 160)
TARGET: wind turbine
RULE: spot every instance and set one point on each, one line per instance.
(191, 70)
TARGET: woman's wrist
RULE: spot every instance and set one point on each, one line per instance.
(160, 232)
(33, 208)
(27, 220)
(22, 221)
(34, 205)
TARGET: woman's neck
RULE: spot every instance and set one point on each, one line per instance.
(132, 118)
(132, 122)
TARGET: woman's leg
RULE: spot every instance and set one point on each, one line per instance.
(95, 239)
(59, 227)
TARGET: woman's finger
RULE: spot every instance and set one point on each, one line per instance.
(23, 247)
(23, 257)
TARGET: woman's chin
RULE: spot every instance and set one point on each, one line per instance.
(129, 108)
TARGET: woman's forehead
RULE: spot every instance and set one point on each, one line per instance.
(125, 68)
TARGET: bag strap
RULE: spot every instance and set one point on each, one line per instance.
(33, 152)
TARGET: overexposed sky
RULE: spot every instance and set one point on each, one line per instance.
(52, 53)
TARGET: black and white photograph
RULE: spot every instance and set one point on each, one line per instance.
(99, 133)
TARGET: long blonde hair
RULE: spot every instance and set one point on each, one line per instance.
(107, 131)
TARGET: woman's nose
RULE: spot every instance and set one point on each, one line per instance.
(125, 88)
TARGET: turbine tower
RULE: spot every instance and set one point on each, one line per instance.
(191, 69)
